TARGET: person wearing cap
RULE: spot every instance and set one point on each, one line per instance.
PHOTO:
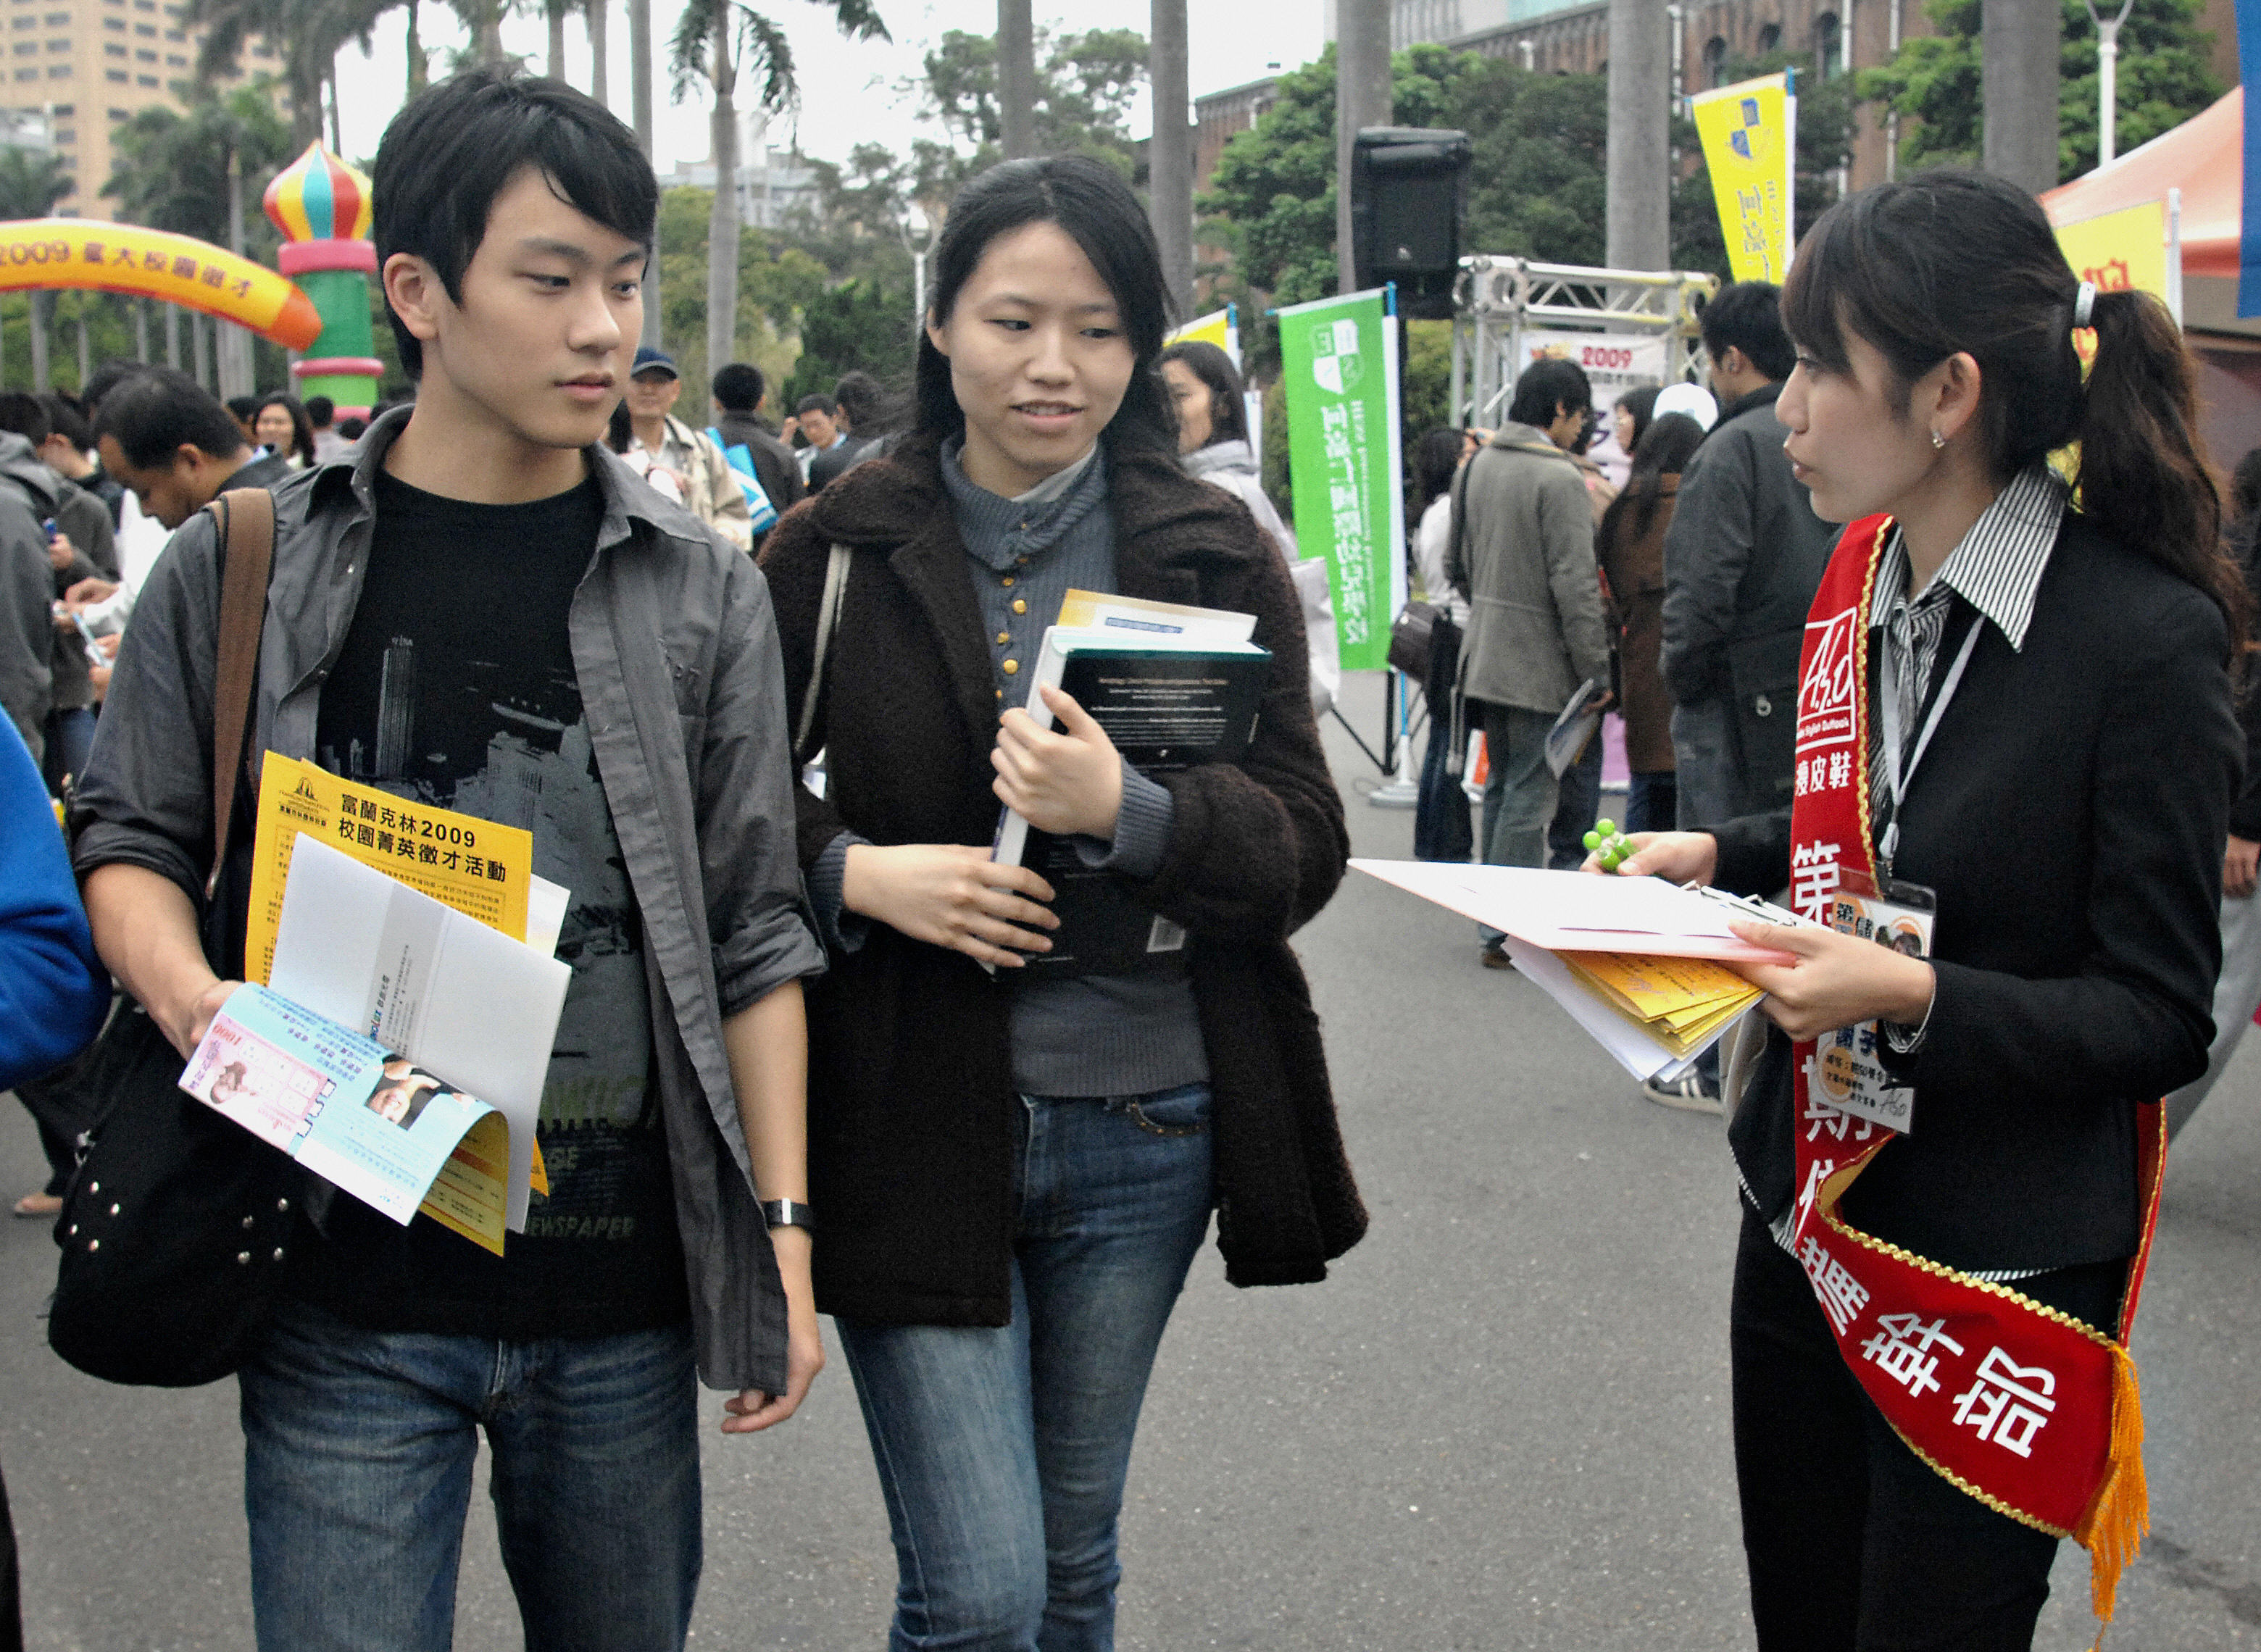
(659, 442)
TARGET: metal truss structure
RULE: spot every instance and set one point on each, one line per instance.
(1497, 301)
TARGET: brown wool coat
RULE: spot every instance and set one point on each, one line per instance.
(911, 1102)
(1635, 567)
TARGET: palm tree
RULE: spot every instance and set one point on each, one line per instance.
(554, 13)
(598, 51)
(30, 186)
(306, 35)
(420, 61)
(192, 172)
(713, 41)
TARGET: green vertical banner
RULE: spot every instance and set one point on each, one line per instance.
(1339, 357)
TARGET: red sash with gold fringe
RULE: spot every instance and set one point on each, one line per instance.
(2027, 1409)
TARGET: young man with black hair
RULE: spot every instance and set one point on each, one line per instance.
(1525, 558)
(68, 451)
(860, 401)
(485, 610)
(174, 445)
(329, 443)
(1742, 558)
(739, 390)
(816, 420)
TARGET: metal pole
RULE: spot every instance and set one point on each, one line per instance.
(2107, 82)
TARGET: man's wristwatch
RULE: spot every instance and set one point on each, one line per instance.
(788, 1213)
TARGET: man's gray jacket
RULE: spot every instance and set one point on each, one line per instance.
(677, 656)
(1525, 557)
(1742, 560)
(27, 595)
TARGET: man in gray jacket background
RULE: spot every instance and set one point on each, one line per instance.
(1525, 559)
(1741, 561)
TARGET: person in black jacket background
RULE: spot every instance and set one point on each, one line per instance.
(2070, 814)
(1741, 559)
(2237, 993)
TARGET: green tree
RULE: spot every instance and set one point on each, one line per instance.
(1086, 83)
(1825, 142)
(171, 167)
(715, 41)
(2164, 80)
(859, 323)
(776, 282)
(1536, 186)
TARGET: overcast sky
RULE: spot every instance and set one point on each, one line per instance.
(847, 88)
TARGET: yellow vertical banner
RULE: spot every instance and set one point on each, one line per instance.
(1749, 132)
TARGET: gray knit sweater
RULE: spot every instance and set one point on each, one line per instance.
(1086, 1035)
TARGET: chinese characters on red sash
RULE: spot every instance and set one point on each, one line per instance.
(2025, 1408)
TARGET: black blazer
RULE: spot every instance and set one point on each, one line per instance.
(2070, 813)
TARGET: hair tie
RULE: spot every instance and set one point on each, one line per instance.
(2083, 304)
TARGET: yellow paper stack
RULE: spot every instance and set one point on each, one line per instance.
(1679, 1002)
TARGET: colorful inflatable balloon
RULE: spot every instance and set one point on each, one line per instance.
(154, 263)
(322, 207)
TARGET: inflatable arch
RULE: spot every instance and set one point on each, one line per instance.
(154, 263)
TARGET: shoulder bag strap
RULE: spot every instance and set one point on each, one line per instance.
(1456, 573)
(245, 518)
(828, 621)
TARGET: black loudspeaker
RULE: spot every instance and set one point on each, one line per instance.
(1409, 194)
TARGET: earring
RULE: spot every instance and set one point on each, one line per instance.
(1938, 441)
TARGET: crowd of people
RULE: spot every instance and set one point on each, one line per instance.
(759, 705)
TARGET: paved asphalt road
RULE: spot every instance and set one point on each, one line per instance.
(1502, 1424)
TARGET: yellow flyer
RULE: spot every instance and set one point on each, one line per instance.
(481, 869)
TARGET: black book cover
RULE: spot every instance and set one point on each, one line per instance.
(1164, 710)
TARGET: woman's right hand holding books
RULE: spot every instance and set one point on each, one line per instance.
(952, 895)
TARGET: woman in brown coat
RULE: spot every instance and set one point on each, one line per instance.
(1631, 548)
(1014, 1167)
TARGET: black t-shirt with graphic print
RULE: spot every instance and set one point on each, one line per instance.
(456, 687)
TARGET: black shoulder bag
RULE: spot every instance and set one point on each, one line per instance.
(173, 1229)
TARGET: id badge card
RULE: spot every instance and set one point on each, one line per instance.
(1848, 1075)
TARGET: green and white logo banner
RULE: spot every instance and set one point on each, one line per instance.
(1340, 361)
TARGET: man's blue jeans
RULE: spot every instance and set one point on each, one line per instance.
(1002, 1452)
(1520, 792)
(358, 1447)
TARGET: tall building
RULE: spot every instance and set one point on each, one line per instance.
(92, 65)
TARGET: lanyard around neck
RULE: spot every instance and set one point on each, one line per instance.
(1897, 772)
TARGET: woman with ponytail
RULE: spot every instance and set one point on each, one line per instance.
(2014, 733)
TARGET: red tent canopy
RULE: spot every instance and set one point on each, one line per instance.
(2204, 158)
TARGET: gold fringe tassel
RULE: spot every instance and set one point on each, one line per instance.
(2119, 1517)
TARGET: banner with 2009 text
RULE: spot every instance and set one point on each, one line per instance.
(1339, 360)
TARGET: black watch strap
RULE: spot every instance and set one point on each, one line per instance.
(788, 1213)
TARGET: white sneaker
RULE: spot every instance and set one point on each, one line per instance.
(1691, 1093)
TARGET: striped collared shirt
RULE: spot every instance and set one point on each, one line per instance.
(1997, 569)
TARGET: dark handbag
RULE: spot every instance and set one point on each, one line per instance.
(175, 1225)
(1411, 635)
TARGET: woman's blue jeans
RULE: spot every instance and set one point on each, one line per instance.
(1002, 1452)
